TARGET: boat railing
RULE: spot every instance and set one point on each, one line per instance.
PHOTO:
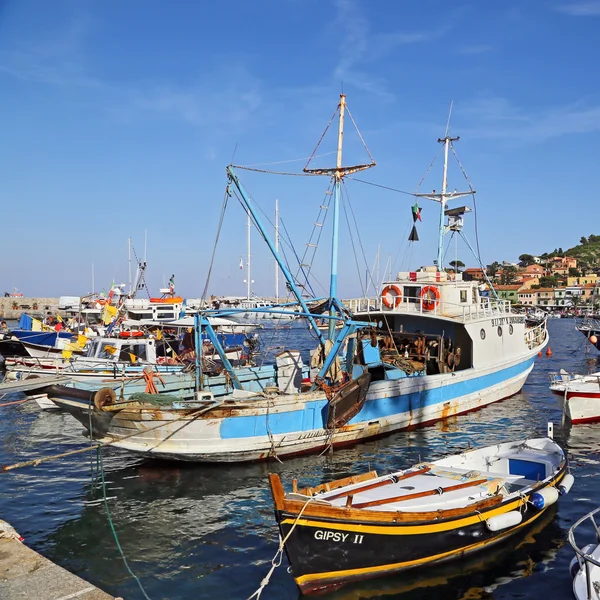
(584, 559)
(487, 307)
(535, 336)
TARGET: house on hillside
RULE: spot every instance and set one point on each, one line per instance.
(508, 292)
(545, 297)
(531, 271)
(527, 297)
(560, 297)
(592, 279)
(560, 265)
(473, 274)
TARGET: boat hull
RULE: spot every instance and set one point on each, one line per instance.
(327, 555)
(583, 407)
(295, 424)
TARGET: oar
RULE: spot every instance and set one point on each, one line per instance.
(439, 490)
(377, 484)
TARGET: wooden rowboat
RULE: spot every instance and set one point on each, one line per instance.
(366, 526)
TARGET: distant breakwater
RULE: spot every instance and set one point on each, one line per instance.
(11, 307)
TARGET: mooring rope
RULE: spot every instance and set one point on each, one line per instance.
(276, 560)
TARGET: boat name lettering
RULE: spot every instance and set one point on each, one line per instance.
(507, 320)
(337, 536)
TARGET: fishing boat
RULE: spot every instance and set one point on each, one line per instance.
(463, 349)
(585, 565)
(431, 346)
(580, 394)
(367, 526)
(590, 328)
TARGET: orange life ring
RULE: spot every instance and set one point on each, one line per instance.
(430, 297)
(131, 334)
(396, 296)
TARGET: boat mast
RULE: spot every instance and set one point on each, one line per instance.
(443, 198)
(333, 293)
(129, 261)
(338, 173)
(277, 250)
(248, 260)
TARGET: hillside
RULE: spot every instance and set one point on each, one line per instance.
(587, 252)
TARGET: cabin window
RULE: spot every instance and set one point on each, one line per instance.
(137, 350)
(499, 331)
(412, 293)
(463, 295)
(510, 329)
(482, 334)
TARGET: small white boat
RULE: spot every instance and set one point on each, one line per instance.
(585, 566)
(580, 393)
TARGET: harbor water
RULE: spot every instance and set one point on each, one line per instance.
(208, 531)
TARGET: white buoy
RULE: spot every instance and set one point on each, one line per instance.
(564, 487)
(551, 430)
(499, 522)
(544, 497)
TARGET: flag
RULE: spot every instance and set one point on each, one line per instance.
(67, 353)
(81, 340)
(416, 213)
(108, 313)
(414, 236)
(172, 283)
(241, 263)
(110, 349)
(132, 358)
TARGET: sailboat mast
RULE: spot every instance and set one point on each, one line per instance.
(129, 260)
(336, 217)
(276, 249)
(248, 260)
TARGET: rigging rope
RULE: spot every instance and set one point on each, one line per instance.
(212, 258)
(274, 172)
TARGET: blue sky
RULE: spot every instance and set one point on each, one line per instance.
(119, 118)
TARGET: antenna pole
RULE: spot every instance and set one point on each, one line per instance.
(443, 199)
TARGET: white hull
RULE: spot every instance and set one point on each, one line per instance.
(165, 434)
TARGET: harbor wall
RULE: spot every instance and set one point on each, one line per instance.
(11, 307)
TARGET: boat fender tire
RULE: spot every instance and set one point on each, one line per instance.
(391, 296)
(104, 397)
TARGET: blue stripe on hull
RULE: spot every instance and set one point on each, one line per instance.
(315, 412)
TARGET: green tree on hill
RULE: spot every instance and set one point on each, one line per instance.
(456, 265)
(509, 275)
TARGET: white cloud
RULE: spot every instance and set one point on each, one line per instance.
(495, 117)
(589, 8)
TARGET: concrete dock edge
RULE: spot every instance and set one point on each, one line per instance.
(27, 575)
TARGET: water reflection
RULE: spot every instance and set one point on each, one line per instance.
(192, 531)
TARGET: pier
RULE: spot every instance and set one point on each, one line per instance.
(25, 574)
